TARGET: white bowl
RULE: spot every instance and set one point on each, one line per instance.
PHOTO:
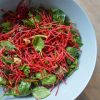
(78, 81)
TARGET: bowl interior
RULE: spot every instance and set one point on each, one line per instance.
(78, 81)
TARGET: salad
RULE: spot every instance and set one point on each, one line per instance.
(39, 49)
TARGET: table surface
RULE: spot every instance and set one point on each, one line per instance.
(92, 91)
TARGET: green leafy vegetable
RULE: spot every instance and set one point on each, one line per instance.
(7, 60)
(67, 21)
(73, 67)
(74, 64)
(73, 51)
(71, 71)
(6, 26)
(73, 31)
(29, 22)
(38, 43)
(51, 79)
(24, 88)
(37, 18)
(38, 75)
(69, 61)
(40, 92)
(79, 41)
(58, 15)
(7, 44)
(2, 81)
(25, 69)
(41, 75)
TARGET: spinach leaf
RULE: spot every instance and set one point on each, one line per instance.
(71, 71)
(38, 43)
(2, 81)
(7, 60)
(37, 18)
(38, 75)
(29, 22)
(75, 64)
(69, 61)
(23, 90)
(73, 31)
(79, 41)
(6, 27)
(25, 69)
(41, 75)
(73, 51)
(51, 79)
(67, 21)
(7, 44)
(40, 92)
(58, 15)
(73, 67)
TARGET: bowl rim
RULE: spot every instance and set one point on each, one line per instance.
(95, 43)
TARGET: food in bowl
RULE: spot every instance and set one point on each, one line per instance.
(39, 48)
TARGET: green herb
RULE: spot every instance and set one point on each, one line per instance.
(74, 65)
(73, 31)
(40, 92)
(23, 90)
(7, 44)
(51, 79)
(69, 61)
(7, 60)
(58, 15)
(6, 27)
(73, 51)
(2, 81)
(71, 71)
(38, 43)
(37, 18)
(79, 41)
(29, 22)
(67, 21)
(12, 92)
(25, 69)
(38, 75)
(41, 75)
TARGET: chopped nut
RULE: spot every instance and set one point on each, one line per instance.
(17, 60)
(27, 41)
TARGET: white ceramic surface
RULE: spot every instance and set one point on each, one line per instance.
(78, 81)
